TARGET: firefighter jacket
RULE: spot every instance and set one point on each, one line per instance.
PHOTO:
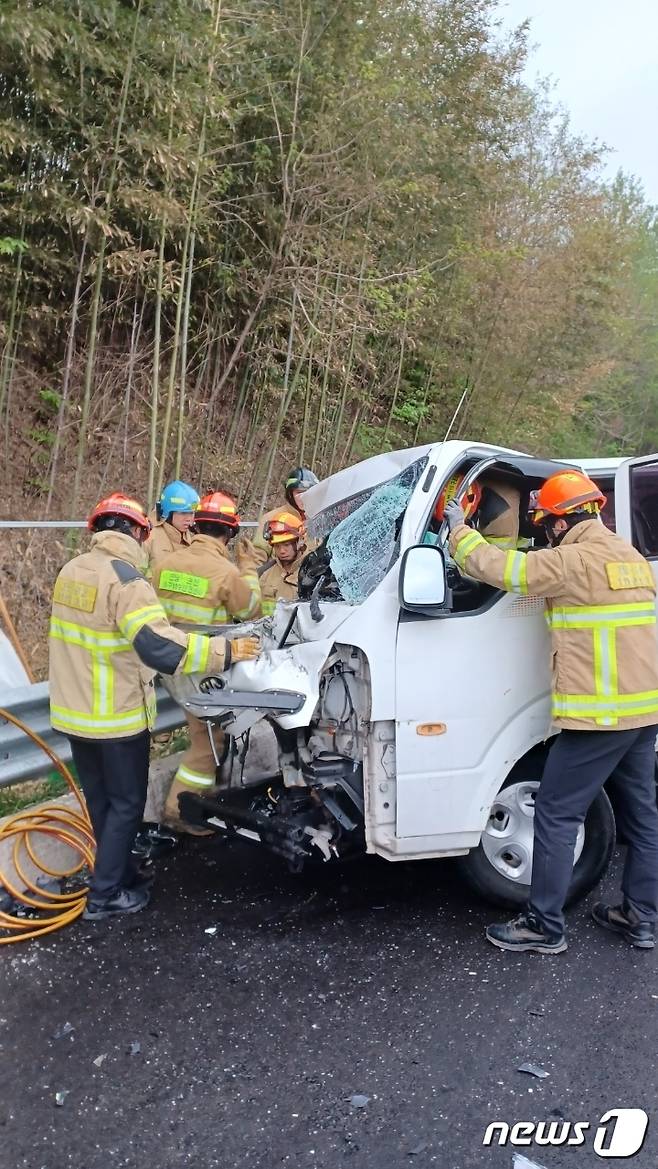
(109, 636)
(601, 610)
(200, 585)
(503, 531)
(164, 539)
(279, 583)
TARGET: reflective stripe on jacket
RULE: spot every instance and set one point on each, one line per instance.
(199, 585)
(279, 583)
(601, 609)
(109, 636)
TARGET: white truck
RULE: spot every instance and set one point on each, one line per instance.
(410, 705)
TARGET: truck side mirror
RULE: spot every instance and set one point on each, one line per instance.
(423, 585)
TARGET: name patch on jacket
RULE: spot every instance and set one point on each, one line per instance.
(636, 575)
(184, 582)
(75, 595)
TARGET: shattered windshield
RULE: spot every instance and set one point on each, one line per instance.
(363, 533)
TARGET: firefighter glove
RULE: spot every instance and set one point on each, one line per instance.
(243, 649)
(454, 514)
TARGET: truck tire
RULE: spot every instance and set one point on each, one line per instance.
(499, 869)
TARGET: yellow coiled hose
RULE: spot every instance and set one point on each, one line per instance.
(70, 827)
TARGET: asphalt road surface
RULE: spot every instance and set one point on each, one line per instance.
(244, 1047)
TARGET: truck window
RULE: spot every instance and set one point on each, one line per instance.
(361, 535)
(608, 514)
(644, 509)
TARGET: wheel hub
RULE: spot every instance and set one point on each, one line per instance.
(508, 836)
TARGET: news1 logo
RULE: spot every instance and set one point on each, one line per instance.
(620, 1133)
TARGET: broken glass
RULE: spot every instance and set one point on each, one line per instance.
(364, 531)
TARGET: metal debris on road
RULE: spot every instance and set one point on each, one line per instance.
(65, 1030)
(100, 1059)
(135, 1048)
(212, 929)
(533, 1069)
(60, 1097)
(521, 1162)
(418, 1149)
(359, 1101)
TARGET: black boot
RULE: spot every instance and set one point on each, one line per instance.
(523, 933)
(621, 919)
(125, 901)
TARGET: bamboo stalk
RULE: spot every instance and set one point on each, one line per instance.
(274, 439)
(98, 281)
(327, 367)
(398, 376)
(183, 360)
(155, 374)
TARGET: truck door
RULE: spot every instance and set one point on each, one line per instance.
(636, 506)
(472, 695)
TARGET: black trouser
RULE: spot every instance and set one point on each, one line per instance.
(578, 765)
(113, 775)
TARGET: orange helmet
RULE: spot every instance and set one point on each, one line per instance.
(218, 508)
(120, 505)
(470, 502)
(282, 527)
(564, 493)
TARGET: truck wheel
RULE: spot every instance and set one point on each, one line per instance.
(500, 868)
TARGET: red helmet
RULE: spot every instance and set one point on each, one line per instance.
(283, 527)
(218, 508)
(564, 493)
(470, 502)
(121, 505)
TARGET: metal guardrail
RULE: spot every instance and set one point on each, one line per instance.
(76, 524)
(21, 759)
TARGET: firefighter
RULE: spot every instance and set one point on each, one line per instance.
(200, 585)
(174, 517)
(109, 635)
(493, 505)
(284, 534)
(600, 600)
(299, 480)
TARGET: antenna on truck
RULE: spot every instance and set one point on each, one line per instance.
(456, 414)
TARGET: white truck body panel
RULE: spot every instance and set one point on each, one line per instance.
(481, 679)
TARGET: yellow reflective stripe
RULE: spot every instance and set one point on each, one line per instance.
(102, 685)
(515, 576)
(605, 669)
(194, 778)
(591, 616)
(620, 706)
(269, 605)
(251, 579)
(465, 546)
(63, 718)
(505, 542)
(197, 614)
(198, 651)
(131, 624)
(87, 639)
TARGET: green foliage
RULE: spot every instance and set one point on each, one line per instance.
(12, 247)
(380, 213)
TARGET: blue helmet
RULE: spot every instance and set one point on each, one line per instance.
(176, 496)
